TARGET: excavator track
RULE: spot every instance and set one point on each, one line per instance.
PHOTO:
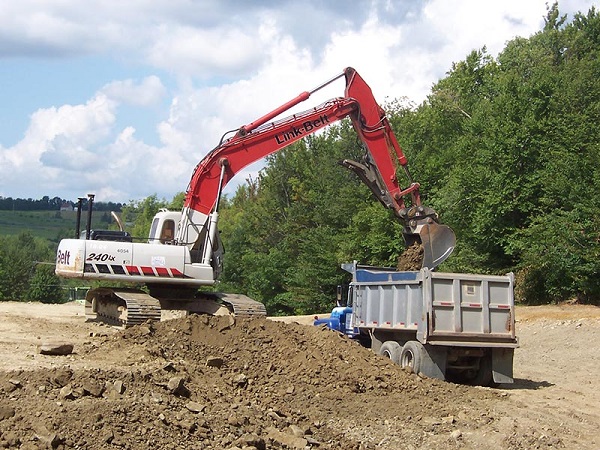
(128, 307)
(241, 305)
(121, 307)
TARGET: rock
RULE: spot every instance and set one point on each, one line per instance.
(108, 437)
(240, 380)
(250, 440)
(93, 388)
(456, 434)
(6, 412)
(195, 407)
(44, 435)
(11, 440)
(296, 431)
(119, 387)
(55, 348)
(9, 386)
(187, 425)
(169, 367)
(176, 385)
(312, 441)
(67, 393)
(62, 377)
(214, 361)
(276, 417)
(226, 322)
(285, 439)
(448, 420)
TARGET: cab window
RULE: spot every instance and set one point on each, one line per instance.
(168, 231)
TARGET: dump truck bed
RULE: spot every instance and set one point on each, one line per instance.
(450, 309)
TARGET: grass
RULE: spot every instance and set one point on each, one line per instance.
(49, 225)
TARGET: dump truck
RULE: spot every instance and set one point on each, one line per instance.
(451, 326)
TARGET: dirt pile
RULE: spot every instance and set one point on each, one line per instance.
(411, 259)
(205, 382)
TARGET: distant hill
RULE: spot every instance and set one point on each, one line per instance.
(50, 225)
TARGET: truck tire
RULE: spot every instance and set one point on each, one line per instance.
(412, 356)
(391, 350)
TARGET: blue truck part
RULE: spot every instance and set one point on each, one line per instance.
(339, 320)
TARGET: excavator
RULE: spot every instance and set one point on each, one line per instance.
(184, 252)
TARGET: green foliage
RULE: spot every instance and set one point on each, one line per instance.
(137, 216)
(373, 237)
(518, 148)
(49, 225)
(44, 286)
(284, 232)
(18, 256)
(506, 150)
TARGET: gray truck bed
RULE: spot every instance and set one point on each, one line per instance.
(442, 308)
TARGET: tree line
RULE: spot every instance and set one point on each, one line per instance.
(51, 204)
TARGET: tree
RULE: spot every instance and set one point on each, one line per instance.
(18, 256)
(45, 286)
(138, 215)
(516, 164)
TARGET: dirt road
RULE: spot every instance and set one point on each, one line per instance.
(208, 384)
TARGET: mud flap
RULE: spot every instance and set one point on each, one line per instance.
(433, 364)
(502, 365)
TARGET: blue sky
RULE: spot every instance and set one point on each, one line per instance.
(123, 99)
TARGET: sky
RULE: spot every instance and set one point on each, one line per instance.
(123, 99)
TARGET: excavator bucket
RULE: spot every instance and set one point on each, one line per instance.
(438, 242)
(422, 231)
(434, 241)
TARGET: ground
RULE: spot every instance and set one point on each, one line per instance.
(207, 383)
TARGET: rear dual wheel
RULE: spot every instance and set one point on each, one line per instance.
(409, 356)
(412, 356)
(391, 350)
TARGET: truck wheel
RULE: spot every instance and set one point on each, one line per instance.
(411, 356)
(391, 349)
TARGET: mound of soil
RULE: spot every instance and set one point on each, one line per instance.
(212, 383)
(411, 259)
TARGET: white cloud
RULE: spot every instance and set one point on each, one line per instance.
(149, 92)
(230, 63)
(187, 50)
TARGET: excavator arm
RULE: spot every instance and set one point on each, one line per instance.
(263, 137)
